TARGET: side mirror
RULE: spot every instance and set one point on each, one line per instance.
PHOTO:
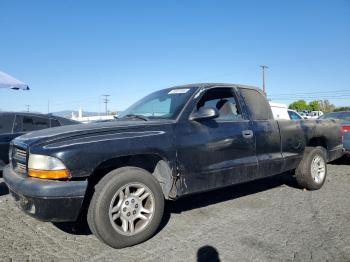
(205, 113)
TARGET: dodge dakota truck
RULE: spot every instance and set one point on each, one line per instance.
(172, 143)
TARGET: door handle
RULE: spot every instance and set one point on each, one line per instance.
(247, 133)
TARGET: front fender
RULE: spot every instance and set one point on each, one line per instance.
(83, 154)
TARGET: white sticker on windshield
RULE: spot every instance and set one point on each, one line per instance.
(179, 91)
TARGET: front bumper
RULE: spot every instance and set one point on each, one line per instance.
(46, 200)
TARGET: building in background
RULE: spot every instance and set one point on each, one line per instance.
(89, 119)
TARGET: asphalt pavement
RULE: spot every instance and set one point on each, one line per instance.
(266, 220)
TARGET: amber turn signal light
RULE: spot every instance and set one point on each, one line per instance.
(49, 174)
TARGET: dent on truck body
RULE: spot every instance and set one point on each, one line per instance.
(166, 179)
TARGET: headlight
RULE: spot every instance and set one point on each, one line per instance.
(46, 167)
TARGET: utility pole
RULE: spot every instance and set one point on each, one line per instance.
(27, 106)
(106, 100)
(263, 67)
(48, 106)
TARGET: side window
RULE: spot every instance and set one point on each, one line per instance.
(223, 99)
(257, 104)
(31, 123)
(6, 123)
(55, 122)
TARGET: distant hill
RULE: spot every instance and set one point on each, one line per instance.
(68, 113)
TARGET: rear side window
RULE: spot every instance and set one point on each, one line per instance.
(31, 123)
(257, 104)
(55, 122)
(6, 123)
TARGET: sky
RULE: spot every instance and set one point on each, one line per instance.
(71, 53)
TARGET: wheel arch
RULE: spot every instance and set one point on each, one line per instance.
(319, 141)
(159, 166)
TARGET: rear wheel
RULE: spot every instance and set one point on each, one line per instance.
(312, 170)
(126, 208)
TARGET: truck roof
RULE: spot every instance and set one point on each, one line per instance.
(208, 85)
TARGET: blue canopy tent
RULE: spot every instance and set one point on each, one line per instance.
(7, 81)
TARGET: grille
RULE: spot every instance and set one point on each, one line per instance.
(19, 160)
(21, 153)
(21, 168)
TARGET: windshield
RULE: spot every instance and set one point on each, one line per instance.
(337, 115)
(293, 115)
(163, 104)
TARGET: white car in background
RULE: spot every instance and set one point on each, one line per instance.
(315, 114)
(311, 114)
(281, 111)
(304, 115)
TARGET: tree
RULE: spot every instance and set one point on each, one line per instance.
(342, 108)
(314, 105)
(326, 106)
(299, 105)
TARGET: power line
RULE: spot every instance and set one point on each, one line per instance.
(343, 94)
(315, 95)
(316, 92)
(311, 96)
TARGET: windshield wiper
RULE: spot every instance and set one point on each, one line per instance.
(144, 118)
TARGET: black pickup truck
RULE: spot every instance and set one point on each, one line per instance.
(172, 143)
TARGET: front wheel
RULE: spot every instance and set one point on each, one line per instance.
(312, 170)
(126, 208)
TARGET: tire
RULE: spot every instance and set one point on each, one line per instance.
(314, 157)
(128, 194)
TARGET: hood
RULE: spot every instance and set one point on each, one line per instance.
(71, 131)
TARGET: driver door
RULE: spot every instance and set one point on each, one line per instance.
(213, 153)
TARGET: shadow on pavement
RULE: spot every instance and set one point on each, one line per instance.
(344, 160)
(208, 253)
(229, 193)
(3, 189)
(80, 227)
(197, 201)
(225, 194)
